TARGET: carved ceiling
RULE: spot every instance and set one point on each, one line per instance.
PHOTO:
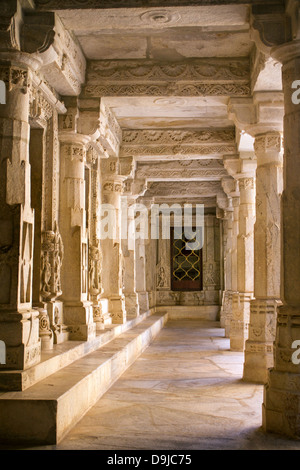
(165, 72)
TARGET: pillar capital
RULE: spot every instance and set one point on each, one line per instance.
(268, 148)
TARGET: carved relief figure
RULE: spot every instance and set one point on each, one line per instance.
(161, 277)
(46, 273)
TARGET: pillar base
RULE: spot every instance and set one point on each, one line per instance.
(258, 359)
(132, 305)
(79, 318)
(280, 410)
(240, 321)
(117, 309)
(55, 313)
(46, 334)
(101, 315)
(259, 346)
(20, 334)
(143, 302)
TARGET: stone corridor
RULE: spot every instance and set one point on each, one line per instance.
(184, 392)
(121, 124)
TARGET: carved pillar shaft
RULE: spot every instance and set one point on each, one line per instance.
(227, 250)
(111, 246)
(245, 266)
(282, 391)
(129, 272)
(100, 306)
(78, 313)
(259, 346)
(19, 324)
(233, 256)
(141, 285)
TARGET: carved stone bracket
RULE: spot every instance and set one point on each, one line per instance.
(271, 26)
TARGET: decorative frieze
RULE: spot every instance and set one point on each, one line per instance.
(195, 169)
(221, 77)
(177, 136)
(141, 70)
(177, 150)
(185, 189)
(173, 89)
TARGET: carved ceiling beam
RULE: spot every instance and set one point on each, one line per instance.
(208, 202)
(177, 136)
(196, 77)
(184, 189)
(101, 4)
(149, 143)
(181, 170)
(177, 151)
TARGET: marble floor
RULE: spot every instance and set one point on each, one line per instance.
(184, 392)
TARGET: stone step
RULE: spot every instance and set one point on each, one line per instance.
(45, 412)
(61, 356)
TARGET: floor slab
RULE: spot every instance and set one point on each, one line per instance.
(184, 392)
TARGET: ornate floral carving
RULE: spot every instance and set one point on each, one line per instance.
(247, 183)
(268, 142)
(198, 69)
(181, 136)
(14, 77)
(150, 150)
(173, 89)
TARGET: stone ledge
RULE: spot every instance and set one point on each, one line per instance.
(61, 356)
(47, 411)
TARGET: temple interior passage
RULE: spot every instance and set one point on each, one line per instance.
(184, 392)
(150, 224)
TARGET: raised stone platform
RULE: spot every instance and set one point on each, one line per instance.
(61, 356)
(46, 411)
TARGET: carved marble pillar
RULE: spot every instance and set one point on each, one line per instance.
(227, 252)
(129, 260)
(259, 346)
(19, 324)
(113, 260)
(141, 285)
(101, 315)
(78, 312)
(230, 187)
(48, 246)
(245, 265)
(282, 392)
